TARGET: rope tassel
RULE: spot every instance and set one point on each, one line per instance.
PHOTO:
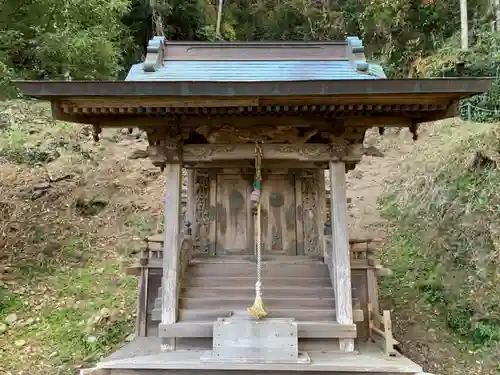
(257, 310)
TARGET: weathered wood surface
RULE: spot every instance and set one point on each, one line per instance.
(142, 303)
(325, 330)
(305, 152)
(155, 267)
(238, 372)
(184, 258)
(305, 315)
(340, 269)
(370, 360)
(248, 291)
(233, 215)
(279, 234)
(213, 289)
(191, 198)
(380, 327)
(240, 302)
(237, 339)
(212, 214)
(321, 209)
(172, 244)
(352, 240)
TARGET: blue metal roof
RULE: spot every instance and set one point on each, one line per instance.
(253, 71)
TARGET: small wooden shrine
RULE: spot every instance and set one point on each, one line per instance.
(257, 125)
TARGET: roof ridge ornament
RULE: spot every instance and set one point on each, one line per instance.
(356, 54)
(155, 54)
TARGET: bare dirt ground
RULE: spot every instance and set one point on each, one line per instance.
(366, 183)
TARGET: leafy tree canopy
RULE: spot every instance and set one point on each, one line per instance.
(99, 39)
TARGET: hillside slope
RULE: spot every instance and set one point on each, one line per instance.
(71, 212)
(443, 205)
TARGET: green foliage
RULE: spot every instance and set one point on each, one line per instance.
(100, 39)
(78, 39)
(24, 140)
(402, 31)
(445, 248)
(481, 60)
(6, 89)
(286, 20)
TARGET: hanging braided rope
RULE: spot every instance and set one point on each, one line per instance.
(257, 310)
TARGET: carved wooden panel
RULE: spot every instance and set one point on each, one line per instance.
(201, 225)
(310, 208)
(279, 236)
(233, 214)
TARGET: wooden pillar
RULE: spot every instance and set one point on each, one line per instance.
(171, 247)
(340, 250)
(165, 151)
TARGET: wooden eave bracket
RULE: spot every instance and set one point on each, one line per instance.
(155, 54)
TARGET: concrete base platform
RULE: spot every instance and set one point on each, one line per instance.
(143, 357)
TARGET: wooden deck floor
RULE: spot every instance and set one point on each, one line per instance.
(144, 354)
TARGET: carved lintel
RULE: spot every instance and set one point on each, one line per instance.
(308, 152)
(206, 152)
(305, 151)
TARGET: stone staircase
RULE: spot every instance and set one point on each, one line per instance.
(293, 287)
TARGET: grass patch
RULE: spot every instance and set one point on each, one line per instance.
(29, 135)
(55, 255)
(142, 225)
(94, 316)
(9, 303)
(445, 246)
(62, 275)
(78, 314)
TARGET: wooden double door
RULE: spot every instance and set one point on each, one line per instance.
(236, 220)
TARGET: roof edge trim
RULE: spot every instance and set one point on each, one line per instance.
(462, 86)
